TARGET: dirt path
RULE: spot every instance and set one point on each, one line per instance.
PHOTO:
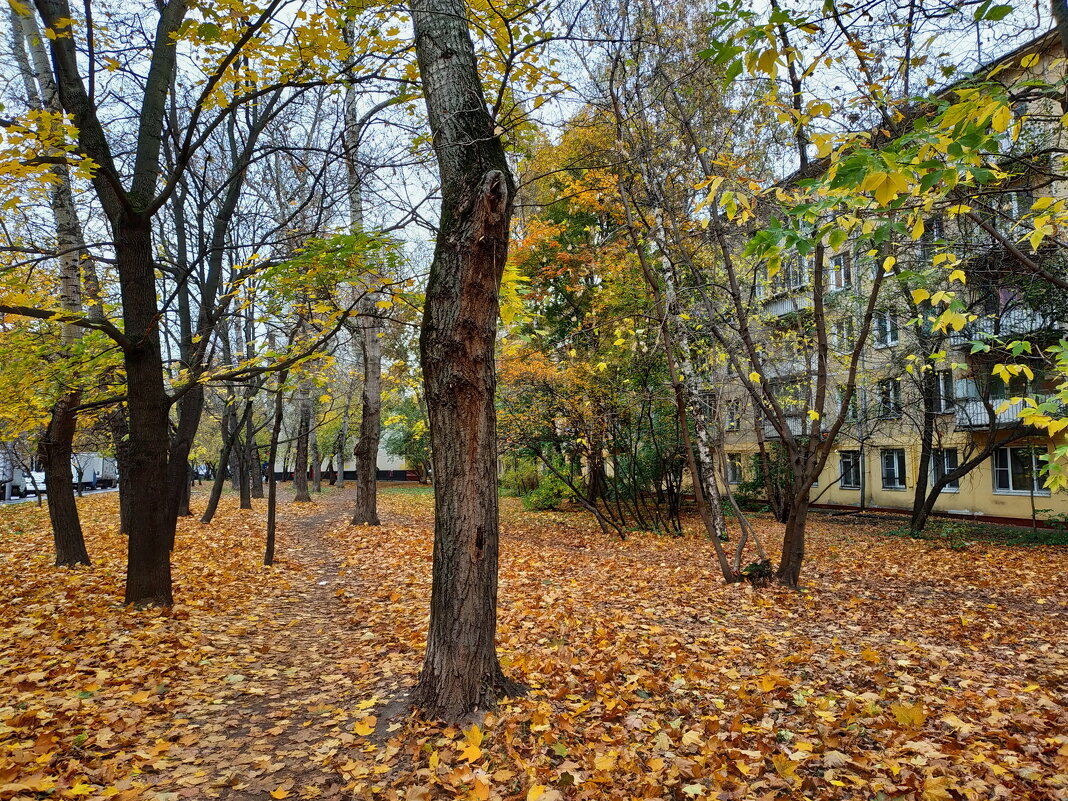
(280, 717)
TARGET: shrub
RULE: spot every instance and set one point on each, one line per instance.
(549, 494)
(520, 480)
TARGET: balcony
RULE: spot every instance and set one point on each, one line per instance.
(797, 426)
(1013, 323)
(791, 303)
(972, 413)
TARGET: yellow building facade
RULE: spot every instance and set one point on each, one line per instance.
(877, 452)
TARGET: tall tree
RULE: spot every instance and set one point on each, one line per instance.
(461, 671)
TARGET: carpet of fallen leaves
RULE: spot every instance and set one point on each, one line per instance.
(902, 670)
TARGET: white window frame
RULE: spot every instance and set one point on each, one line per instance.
(856, 464)
(892, 462)
(839, 273)
(886, 329)
(940, 466)
(1001, 466)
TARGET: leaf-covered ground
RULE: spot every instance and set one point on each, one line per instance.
(903, 670)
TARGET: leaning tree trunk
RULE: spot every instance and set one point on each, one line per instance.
(300, 468)
(461, 672)
(55, 451)
(366, 450)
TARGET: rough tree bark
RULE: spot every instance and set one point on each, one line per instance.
(272, 480)
(300, 466)
(366, 450)
(461, 672)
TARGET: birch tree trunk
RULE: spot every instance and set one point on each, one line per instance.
(461, 672)
(56, 445)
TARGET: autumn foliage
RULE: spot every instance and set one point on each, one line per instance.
(903, 668)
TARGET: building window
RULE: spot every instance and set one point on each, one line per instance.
(795, 273)
(843, 335)
(734, 468)
(734, 415)
(839, 273)
(933, 234)
(1016, 470)
(849, 469)
(852, 412)
(885, 329)
(893, 468)
(944, 391)
(943, 462)
(890, 398)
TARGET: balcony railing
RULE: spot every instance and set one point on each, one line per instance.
(1013, 323)
(788, 304)
(973, 413)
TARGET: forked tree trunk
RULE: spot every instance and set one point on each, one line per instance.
(461, 672)
(370, 421)
(55, 451)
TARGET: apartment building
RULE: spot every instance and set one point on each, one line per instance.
(915, 383)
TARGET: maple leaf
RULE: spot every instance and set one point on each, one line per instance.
(365, 726)
(279, 792)
(911, 716)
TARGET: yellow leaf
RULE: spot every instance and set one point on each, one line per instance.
(280, 792)
(1030, 60)
(365, 726)
(920, 295)
(958, 276)
(605, 761)
(888, 263)
(911, 716)
(536, 791)
(1001, 119)
(471, 753)
(473, 736)
(81, 788)
(754, 377)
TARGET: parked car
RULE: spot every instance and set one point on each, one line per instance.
(36, 479)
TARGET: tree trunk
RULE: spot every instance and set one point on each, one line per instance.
(55, 451)
(119, 436)
(300, 467)
(793, 544)
(272, 480)
(252, 456)
(57, 445)
(923, 469)
(461, 672)
(316, 459)
(152, 522)
(220, 475)
(370, 421)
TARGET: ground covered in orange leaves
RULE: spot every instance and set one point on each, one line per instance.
(903, 670)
